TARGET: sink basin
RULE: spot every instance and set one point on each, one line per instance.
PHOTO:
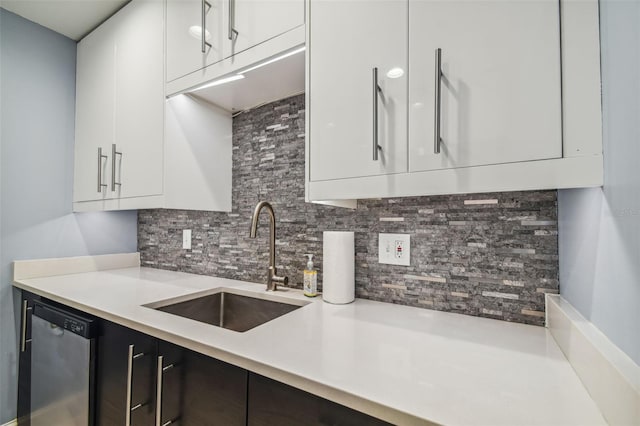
(231, 310)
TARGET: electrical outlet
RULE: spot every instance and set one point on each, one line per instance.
(394, 249)
(186, 239)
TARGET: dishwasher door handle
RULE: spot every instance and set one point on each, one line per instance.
(23, 335)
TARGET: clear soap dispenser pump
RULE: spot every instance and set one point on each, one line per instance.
(310, 283)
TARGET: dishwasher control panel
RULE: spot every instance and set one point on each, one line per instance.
(74, 326)
(71, 321)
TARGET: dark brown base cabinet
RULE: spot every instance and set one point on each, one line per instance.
(125, 376)
(199, 390)
(273, 403)
(144, 381)
(147, 377)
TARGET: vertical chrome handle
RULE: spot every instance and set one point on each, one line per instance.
(23, 342)
(159, 373)
(438, 98)
(232, 20)
(100, 157)
(376, 90)
(129, 409)
(114, 152)
(159, 377)
(205, 4)
(127, 421)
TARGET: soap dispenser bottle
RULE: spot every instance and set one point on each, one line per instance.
(310, 283)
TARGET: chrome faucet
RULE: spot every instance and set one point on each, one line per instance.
(272, 273)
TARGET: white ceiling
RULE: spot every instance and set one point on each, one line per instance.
(72, 18)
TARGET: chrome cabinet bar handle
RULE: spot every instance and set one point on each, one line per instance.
(127, 421)
(232, 20)
(159, 374)
(438, 98)
(23, 344)
(100, 157)
(205, 44)
(159, 377)
(114, 152)
(24, 341)
(129, 408)
(376, 90)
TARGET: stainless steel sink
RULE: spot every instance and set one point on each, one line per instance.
(229, 310)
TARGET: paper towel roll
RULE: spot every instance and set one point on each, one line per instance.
(338, 267)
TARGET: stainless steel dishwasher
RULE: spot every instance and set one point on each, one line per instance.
(62, 367)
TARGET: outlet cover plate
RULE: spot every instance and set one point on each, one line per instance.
(186, 239)
(394, 249)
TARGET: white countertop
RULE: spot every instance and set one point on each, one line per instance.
(402, 364)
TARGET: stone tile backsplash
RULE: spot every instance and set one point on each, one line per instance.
(490, 255)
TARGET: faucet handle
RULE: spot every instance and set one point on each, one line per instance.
(281, 280)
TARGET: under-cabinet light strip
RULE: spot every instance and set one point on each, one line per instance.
(272, 60)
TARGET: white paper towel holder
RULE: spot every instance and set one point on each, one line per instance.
(338, 267)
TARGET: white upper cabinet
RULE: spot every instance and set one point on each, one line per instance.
(231, 27)
(187, 49)
(500, 82)
(120, 102)
(95, 101)
(255, 21)
(350, 112)
(139, 98)
(474, 96)
(147, 160)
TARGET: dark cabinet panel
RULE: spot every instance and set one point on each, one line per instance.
(24, 358)
(201, 391)
(118, 347)
(272, 403)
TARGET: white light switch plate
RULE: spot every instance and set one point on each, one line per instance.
(186, 239)
(394, 249)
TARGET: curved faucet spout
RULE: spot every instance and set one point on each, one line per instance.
(256, 215)
(272, 276)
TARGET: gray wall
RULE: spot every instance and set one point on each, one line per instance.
(600, 228)
(495, 258)
(37, 101)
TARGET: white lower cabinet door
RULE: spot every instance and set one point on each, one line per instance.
(139, 101)
(255, 21)
(349, 112)
(187, 50)
(500, 82)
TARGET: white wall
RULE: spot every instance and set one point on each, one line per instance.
(599, 229)
(37, 108)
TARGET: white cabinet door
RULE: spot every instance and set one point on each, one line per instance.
(120, 100)
(348, 39)
(256, 21)
(139, 99)
(500, 82)
(184, 35)
(95, 86)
